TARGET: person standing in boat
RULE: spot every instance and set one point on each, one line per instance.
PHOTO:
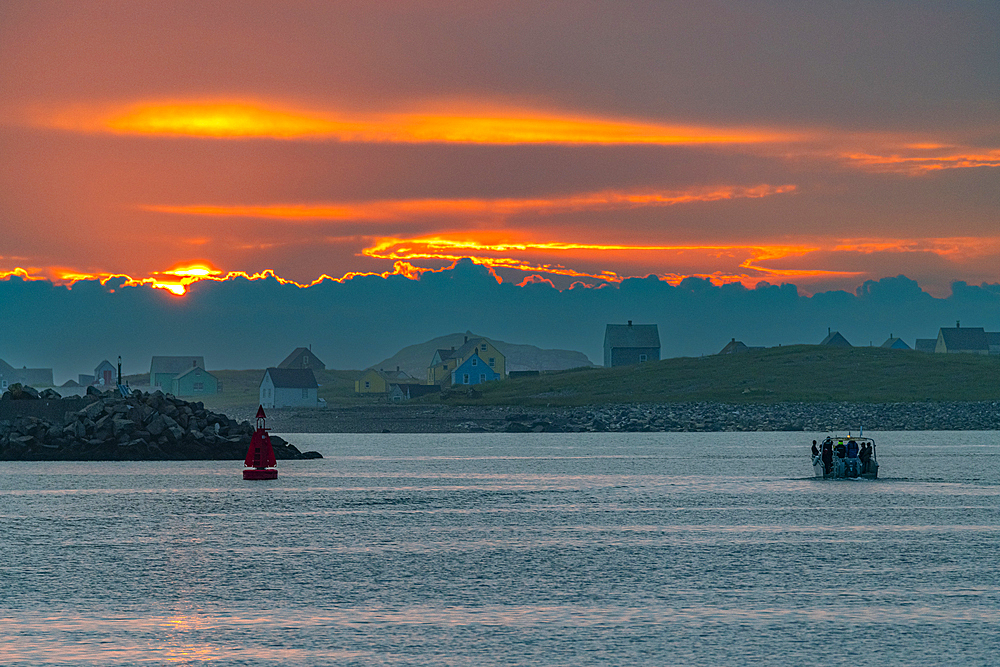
(815, 450)
(865, 456)
(827, 456)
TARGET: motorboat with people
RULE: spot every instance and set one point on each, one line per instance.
(845, 457)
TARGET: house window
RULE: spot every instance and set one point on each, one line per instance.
(475, 362)
(446, 366)
(368, 385)
(493, 362)
(305, 361)
(483, 348)
(642, 358)
(199, 386)
(482, 377)
(465, 379)
(305, 393)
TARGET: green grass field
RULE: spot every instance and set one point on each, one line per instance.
(797, 373)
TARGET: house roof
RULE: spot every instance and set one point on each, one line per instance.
(292, 360)
(925, 344)
(895, 344)
(965, 338)
(632, 335)
(834, 339)
(734, 346)
(292, 378)
(464, 351)
(174, 365)
(70, 383)
(192, 370)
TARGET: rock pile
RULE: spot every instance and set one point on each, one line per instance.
(143, 426)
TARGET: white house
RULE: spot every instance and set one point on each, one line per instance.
(289, 388)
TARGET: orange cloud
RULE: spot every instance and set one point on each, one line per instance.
(916, 163)
(956, 248)
(511, 255)
(397, 210)
(475, 123)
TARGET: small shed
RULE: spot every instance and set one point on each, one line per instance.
(289, 388)
(105, 374)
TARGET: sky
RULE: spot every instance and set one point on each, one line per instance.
(577, 144)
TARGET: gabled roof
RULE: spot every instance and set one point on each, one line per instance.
(971, 339)
(98, 366)
(632, 335)
(463, 352)
(441, 356)
(294, 360)
(174, 365)
(834, 339)
(70, 383)
(5, 367)
(292, 378)
(895, 344)
(192, 370)
(734, 346)
(925, 344)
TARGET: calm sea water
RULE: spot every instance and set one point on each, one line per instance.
(538, 549)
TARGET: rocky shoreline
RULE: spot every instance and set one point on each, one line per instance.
(105, 426)
(815, 417)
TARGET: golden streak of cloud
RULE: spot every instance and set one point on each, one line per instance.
(399, 210)
(911, 164)
(955, 248)
(492, 255)
(476, 123)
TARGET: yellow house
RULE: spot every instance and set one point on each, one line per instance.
(444, 362)
(377, 381)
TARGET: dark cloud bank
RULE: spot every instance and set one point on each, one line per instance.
(252, 324)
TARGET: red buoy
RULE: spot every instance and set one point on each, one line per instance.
(260, 459)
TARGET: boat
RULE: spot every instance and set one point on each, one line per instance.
(260, 461)
(845, 457)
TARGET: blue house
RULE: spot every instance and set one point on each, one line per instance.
(473, 371)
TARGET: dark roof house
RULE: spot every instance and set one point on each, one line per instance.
(626, 344)
(893, 343)
(925, 344)
(170, 367)
(834, 339)
(969, 340)
(302, 357)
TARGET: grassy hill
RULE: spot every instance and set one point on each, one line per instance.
(796, 373)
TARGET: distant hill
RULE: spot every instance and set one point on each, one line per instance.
(414, 359)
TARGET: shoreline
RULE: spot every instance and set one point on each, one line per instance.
(667, 417)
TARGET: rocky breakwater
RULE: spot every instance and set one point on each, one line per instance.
(140, 427)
